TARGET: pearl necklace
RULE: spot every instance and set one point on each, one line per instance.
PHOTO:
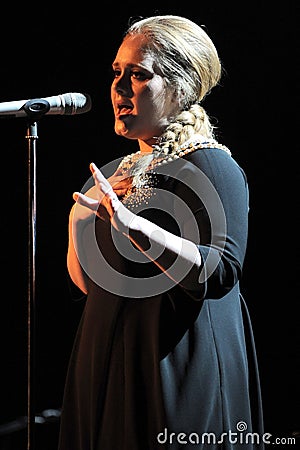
(143, 183)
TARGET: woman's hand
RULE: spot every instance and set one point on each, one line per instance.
(80, 213)
(120, 182)
(104, 201)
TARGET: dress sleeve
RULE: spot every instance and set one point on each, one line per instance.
(214, 191)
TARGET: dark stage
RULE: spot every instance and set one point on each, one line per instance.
(46, 52)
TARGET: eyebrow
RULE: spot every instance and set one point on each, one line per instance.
(116, 63)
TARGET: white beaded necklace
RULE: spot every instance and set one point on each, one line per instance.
(143, 183)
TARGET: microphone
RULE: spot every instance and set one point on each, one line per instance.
(63, 104)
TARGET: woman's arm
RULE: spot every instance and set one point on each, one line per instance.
(174, 255)
(208, 263)
(79, 217)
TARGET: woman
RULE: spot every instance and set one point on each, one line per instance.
(164, 355)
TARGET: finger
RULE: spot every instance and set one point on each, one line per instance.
(119, 172)
(125, 179)
(120, 185)
(93, 168)
(100, 179)
(83, 200)
(97, 174)
(120, 191)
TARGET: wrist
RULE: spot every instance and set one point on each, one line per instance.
(80, 215)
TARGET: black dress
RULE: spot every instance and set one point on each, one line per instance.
(159, 365)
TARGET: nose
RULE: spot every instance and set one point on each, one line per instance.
(122, 86)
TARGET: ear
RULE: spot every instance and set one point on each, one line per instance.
(176, 94)
(180, 98)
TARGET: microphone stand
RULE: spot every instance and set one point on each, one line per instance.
(34, 111)
(31, 137)
(70, 103)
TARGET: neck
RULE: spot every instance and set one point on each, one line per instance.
(146, 146)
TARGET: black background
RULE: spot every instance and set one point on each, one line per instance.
(49, 49)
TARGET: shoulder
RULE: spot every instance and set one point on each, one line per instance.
(200, 160)
(214, 159)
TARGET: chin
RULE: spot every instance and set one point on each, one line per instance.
(125, 132)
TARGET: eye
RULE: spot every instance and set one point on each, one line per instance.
(138, 74)
(116, 73)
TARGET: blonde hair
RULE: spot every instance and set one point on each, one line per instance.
(186, 57)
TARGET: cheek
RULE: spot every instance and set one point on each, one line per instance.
(146, 103)
(154, 101)
(157, 102)
(112, 91)
(163, 98)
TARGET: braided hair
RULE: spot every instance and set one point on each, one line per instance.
(187, 59)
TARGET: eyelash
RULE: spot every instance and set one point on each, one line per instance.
(135, 73)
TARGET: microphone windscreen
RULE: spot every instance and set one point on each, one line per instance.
(76, 103)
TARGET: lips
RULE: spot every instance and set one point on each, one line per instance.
(123, 110)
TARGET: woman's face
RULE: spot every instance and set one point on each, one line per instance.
(141, 101)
